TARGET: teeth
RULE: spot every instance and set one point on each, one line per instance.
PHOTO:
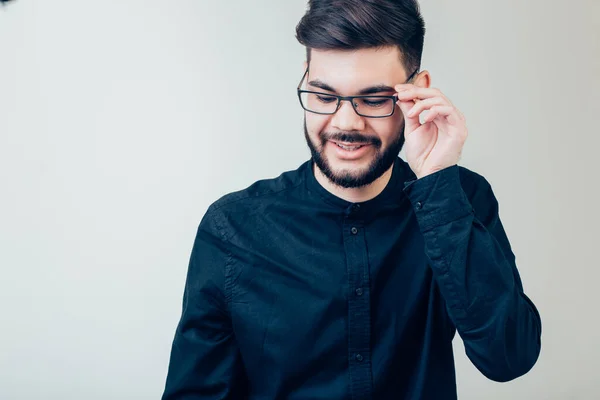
(350, 148)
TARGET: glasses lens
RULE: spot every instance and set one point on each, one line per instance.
(319, 103)
(371, 106)
(374, 106)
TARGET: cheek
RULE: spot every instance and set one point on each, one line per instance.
(386, 129)
(316, 123)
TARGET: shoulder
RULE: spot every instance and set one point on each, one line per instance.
(254, 197)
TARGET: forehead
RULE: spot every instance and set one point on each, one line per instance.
(349, 71)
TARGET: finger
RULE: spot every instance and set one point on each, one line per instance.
(426, 105)
(405, 107)
(404, 86)
(416, 92)
(440, 111)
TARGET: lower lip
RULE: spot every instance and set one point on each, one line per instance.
(350, 154)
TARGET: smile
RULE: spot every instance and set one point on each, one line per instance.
(350, 146)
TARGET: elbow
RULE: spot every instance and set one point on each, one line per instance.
(509, 359)
(514, 370)
(505, 369)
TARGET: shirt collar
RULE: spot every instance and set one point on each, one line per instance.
(392, 194)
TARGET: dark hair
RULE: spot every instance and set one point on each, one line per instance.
(359, 24)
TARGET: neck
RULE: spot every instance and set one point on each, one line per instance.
(354, 195)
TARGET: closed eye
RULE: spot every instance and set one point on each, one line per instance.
(375, 102)
(326, 99)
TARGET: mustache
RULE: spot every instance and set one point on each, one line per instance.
(349, 137)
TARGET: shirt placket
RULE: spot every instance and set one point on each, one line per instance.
(359, 311)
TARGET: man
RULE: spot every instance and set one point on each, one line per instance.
(348, 277)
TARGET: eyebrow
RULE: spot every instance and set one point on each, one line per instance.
(366, 91)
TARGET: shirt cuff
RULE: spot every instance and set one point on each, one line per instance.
(438, 198)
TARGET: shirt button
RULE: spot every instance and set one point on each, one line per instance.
(359, 357)
(355, 207)
(419, 205)
(359, 292)
(354, 230)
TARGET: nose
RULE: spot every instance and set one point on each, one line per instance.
(346, 119)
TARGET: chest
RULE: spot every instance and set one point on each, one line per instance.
(296, 293)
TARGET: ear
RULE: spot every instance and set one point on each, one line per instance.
(423, 79)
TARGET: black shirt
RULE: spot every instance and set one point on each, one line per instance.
(294, 293)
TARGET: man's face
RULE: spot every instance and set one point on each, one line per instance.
(348, 73)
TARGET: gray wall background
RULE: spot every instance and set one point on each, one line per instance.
(121, 121)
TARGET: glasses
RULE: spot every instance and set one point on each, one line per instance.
(366, 106)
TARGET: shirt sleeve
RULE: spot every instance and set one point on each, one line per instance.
(205, 362)
(475, 268)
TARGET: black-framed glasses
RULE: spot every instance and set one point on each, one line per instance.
(368, 106)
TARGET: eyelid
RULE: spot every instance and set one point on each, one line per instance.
(375, 97)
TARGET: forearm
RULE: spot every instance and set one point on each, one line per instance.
(476, 272)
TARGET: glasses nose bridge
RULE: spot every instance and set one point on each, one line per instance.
(345, 119)
(349, 99)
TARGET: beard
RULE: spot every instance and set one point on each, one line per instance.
(383, 160)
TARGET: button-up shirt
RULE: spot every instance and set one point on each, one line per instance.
(294, 293)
